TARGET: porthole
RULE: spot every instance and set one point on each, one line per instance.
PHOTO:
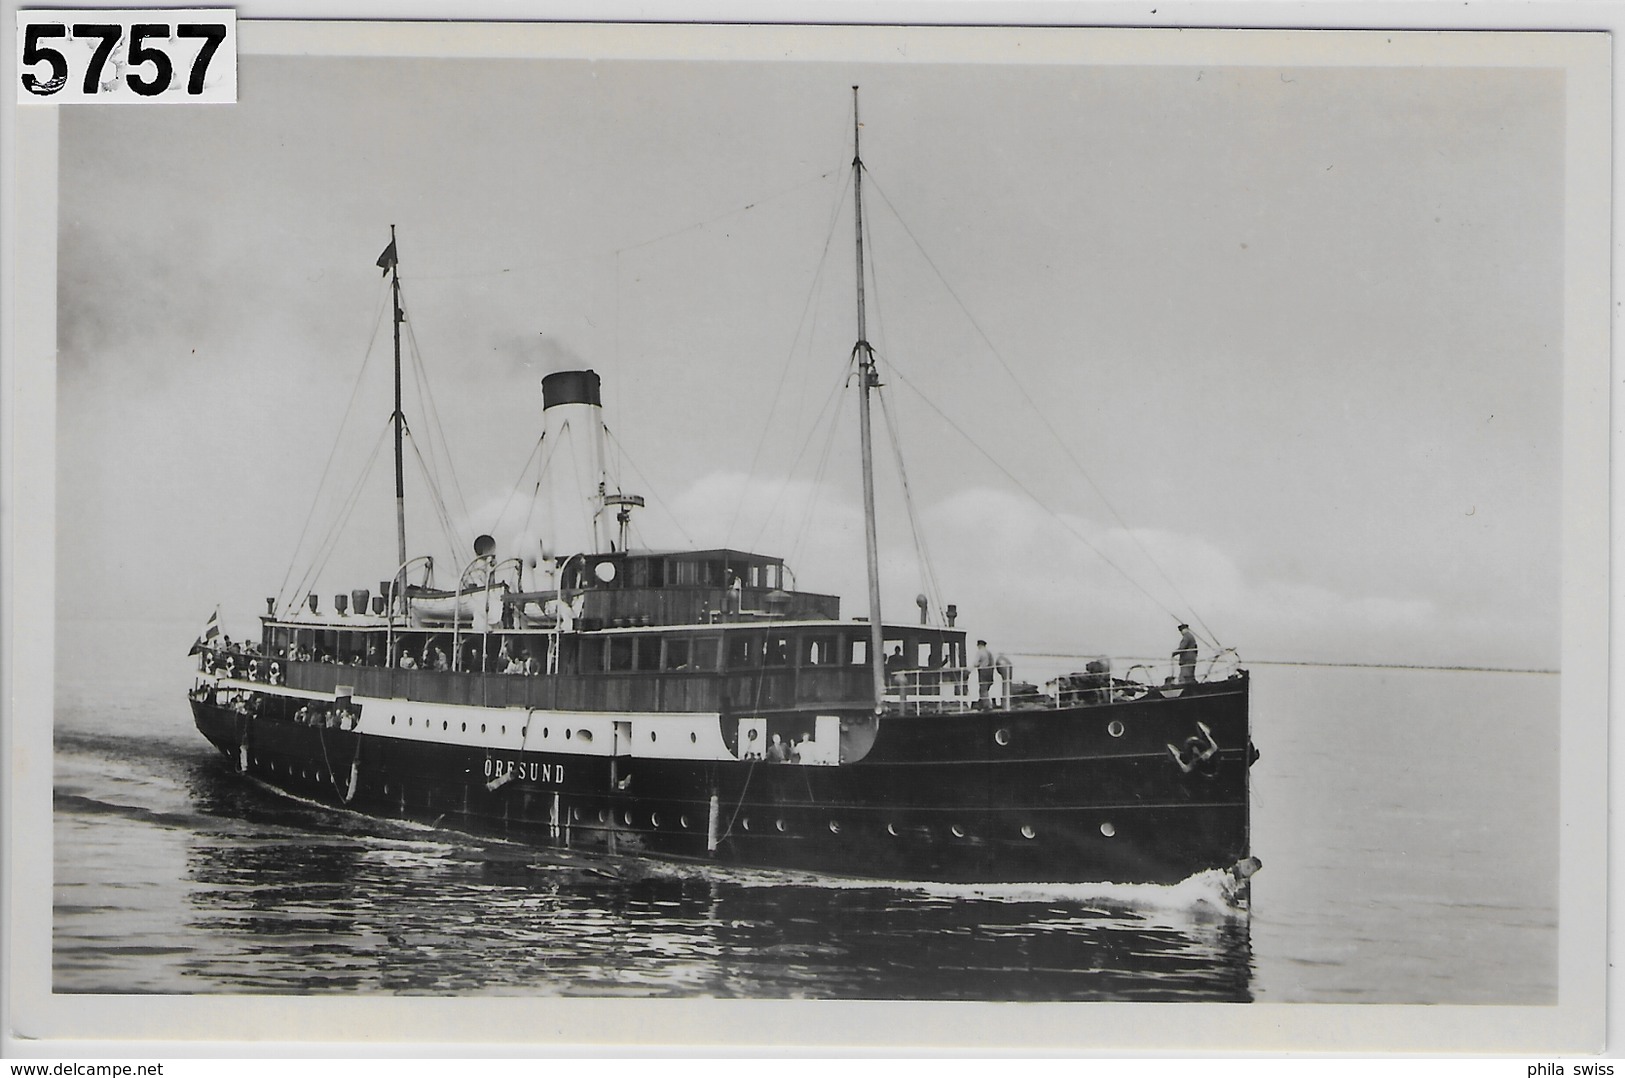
(1002, 736)
(392, 720)
(746, 823)
(651, 735)
(779, 824)
(958, 832)
(750, 735)
(835, 827)
(626, 818)
(465, 727)
(584, 735)
(524, 731)
(601, 816)
(654, 819)
(1114, 728)
(891, 829)
(482, 728)
(575, 815)
(569, 734)
(444, 725)
(682, 821)
(544, 733)
(410, 720)
(1107, 829)
(1027, 831)
(693, 738)
(504, 727)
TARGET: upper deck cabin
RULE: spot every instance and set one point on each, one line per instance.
(687, 588)
(691, 631)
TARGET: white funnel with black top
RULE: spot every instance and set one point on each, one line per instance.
(582, 492)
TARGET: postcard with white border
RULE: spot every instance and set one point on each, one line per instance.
(807, 537)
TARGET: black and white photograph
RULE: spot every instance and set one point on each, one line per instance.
(708, 513)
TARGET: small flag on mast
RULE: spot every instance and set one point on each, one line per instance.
(210, 633)
(387, 260)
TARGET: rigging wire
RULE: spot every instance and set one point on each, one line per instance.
(1044, 419)
(335, 530)
(928, 576)
(784, 486)
(823, 464)
(1040, 502)
(784, 371)
(432, 411)
(332, 453)
(650, 487)
(448, 530)
(518, 485)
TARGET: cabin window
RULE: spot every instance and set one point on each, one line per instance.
(620, 653)
(860, 652)
(896, 654)
(688, 573)
(705, 653)
(711, 574)
(592, 654)
(649, 653)
(778, 651)
(744, 650)
(755, 576)
(677, 649)
(772, 576)
(922, 658)
(637, 573)
(820, 651)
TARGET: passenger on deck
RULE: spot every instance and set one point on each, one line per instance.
(983, 664)
(407, 662)
(440, 660)
(776, 751)
(1185, 654)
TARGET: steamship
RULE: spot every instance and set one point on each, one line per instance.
(700, 706)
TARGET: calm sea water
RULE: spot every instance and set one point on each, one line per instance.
(1387, 807)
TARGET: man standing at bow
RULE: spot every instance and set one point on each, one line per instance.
(1185, 654)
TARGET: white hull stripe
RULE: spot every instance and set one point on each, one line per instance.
(671, 735)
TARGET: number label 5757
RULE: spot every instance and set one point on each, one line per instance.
(67, 57)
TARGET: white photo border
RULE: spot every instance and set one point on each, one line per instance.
(39, 1022)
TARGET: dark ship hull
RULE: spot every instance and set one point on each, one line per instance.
(1093, 793)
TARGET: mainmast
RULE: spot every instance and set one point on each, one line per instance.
(865, 357)
(400, 418)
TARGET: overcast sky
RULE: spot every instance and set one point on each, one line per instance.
(1301, 326)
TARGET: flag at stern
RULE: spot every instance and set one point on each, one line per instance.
(210, 633)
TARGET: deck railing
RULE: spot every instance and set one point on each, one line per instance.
(748, 691)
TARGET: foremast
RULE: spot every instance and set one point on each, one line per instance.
(391, 263)
(864, 356)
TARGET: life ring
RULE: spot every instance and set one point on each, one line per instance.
(242, 757)
(231, 665)
(276, 673)
(253, 669)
